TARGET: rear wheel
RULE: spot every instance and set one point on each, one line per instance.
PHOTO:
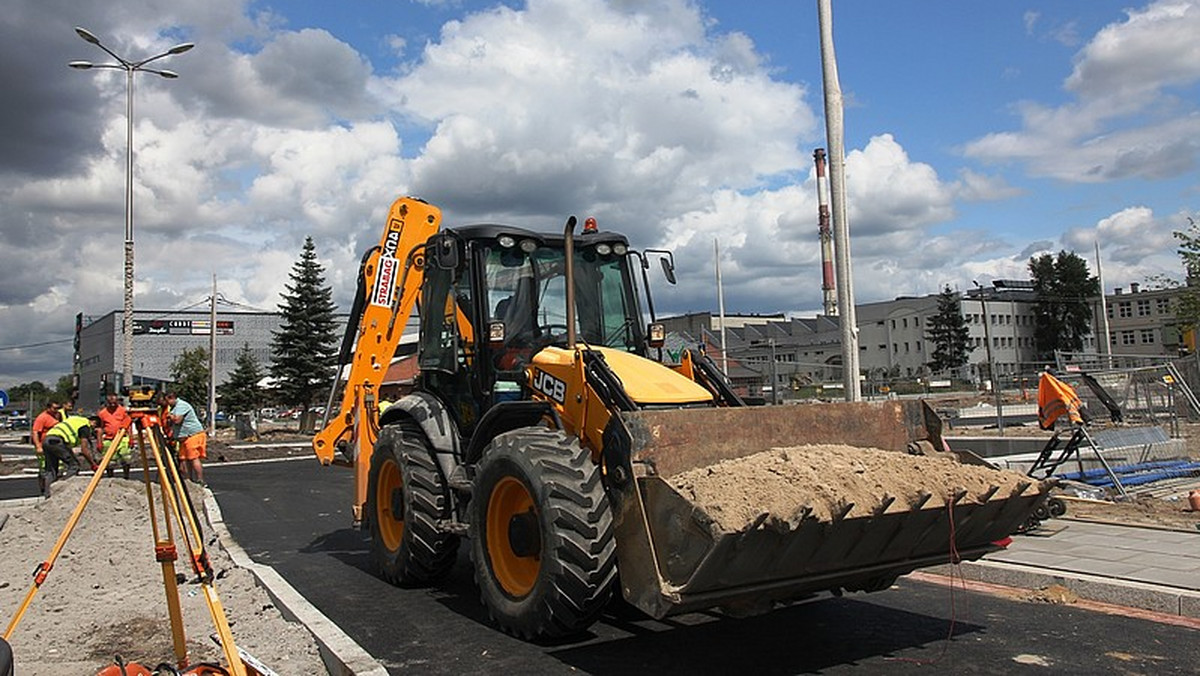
(542, 541)
(406, 498)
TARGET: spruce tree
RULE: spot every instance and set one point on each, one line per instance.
(304, 347)
(949, 334)
(1063, 309)
(241, 392)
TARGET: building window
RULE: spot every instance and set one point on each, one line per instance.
(1143, 307)
(1125, 309)
(905, 320)
(1163, 305)
(1109, 311)
(1127, 338)
(1146, 336)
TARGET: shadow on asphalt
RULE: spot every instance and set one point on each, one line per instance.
(807, 637)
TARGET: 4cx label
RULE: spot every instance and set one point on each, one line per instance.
(550, 386)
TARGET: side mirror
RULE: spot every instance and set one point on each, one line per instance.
(668, 269)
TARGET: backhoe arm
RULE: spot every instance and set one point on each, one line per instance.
(389, 281)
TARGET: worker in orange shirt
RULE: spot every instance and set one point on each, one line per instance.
(115, 418)
(49, 417)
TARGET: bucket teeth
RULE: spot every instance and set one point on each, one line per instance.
(1021, 486)
(883, 505)
(988, 495)
(919, 501)
(842, 510)
(799, 516)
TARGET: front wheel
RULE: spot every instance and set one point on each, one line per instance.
(406, 497)
(542, 541)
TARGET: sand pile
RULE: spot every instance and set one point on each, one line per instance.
(785, 483)
(105, 594)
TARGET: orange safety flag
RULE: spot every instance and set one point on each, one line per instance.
(1056, 399)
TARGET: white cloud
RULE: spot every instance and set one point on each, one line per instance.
(1126, 119)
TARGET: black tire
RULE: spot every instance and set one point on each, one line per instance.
(1057, 507)
(542, 539)
(407, 547)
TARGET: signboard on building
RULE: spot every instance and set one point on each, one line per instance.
(180, 327)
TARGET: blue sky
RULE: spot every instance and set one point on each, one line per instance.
(978, 134)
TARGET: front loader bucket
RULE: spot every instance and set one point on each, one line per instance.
(743, 507)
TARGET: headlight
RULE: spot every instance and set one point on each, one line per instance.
(603, 249)
(620, 249)
(528, 245)
(506, 241)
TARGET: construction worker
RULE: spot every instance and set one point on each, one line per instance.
(115, 418)
(74, 430)
(49, 417)
(189, 433)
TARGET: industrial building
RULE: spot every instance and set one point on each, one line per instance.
(160, 336)
(893, 342)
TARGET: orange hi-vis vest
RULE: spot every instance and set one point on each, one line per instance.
(1056, 399)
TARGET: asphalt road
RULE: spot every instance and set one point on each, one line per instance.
(295, 516)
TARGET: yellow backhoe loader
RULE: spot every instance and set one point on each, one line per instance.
(541, 430)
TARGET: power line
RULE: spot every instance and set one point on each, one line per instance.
(7, 347)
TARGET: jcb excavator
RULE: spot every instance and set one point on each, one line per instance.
(541, 430)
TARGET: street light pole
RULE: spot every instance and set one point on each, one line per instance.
(987, 337)
(130, 67)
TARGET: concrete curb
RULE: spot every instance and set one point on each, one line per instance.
(1129, 593)
(341, 654)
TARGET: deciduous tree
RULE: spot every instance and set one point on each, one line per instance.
(189, 371)
(1065, 292)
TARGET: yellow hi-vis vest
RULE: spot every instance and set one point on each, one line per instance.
(68, 430)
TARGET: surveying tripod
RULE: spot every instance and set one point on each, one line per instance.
(176, 504)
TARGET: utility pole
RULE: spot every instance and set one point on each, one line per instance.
(835, 133)
(987, 339)
(774, 375)
(1105, 338)
(720, 304)
(212, 360)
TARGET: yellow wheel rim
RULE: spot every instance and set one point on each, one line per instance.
(515, 573)
(389, 505)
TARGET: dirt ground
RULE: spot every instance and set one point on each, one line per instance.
(1170, 511)
(824, 479)
(105, 594)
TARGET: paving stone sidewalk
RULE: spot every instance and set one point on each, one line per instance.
(1154, 569)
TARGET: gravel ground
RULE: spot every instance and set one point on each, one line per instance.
(105, 593)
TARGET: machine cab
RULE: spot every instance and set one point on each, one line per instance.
(502, 295)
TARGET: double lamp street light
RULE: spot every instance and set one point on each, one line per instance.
(130, 67)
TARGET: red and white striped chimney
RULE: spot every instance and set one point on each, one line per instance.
(826, 233)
